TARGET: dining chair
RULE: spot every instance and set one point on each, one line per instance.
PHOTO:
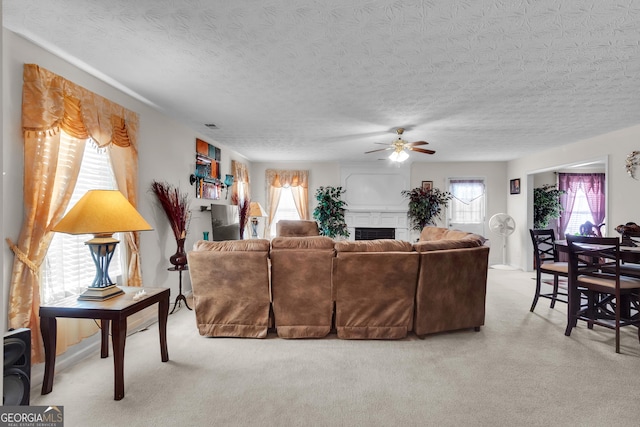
(547, 261)
(612, 298)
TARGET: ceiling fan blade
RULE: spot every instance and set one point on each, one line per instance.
(382, 149)
(413, 144)
(421, 150)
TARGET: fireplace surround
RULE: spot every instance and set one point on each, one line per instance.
(374, 199)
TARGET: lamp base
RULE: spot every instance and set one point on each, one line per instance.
(100, 294)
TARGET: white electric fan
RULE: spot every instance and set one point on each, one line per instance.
(502, 225)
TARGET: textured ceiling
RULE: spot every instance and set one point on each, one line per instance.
(326, 80)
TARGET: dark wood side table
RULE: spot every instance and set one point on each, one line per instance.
(180, 296)
(114, 311)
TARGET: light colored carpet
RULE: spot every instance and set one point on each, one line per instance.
(519, 370)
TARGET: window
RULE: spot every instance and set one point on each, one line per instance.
(580, 213)
(286, 209)
(467, 207)
(584, 200)
(68, 266)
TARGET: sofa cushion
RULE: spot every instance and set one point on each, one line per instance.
(380, 245)
(232, 245)
(310, 242)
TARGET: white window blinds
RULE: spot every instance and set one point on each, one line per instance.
(68, 266)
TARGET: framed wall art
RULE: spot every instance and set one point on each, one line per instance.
(427, 185)
(514, 186)
(207, 174)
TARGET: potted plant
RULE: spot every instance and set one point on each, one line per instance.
(425, 206)
(330, 212)
(546, 205)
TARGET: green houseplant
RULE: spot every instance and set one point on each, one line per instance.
(546, 205)
(330, 212)
(425, 206)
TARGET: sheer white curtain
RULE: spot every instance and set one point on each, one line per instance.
(298, 180)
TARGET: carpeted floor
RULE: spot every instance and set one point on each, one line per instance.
(519, 370)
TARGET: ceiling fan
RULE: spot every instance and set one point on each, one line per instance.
(399, 146)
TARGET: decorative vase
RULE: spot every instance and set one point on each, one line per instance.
(179, 259)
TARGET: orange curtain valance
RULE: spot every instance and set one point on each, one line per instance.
(50, 101)
(287, 178)
(240, 171)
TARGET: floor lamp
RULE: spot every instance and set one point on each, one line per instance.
(101, 213)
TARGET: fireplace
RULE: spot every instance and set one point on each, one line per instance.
(376, 207)
(373, 233)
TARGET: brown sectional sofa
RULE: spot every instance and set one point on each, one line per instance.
(378, 289)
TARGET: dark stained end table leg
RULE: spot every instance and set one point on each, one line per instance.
(48, 328)
(118, 337)
(163, 313)
(104, 346)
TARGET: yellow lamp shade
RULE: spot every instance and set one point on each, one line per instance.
(102, 212)
(255, 209)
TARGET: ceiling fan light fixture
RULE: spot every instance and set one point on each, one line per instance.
(398, 156)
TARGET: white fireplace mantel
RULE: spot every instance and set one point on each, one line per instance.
(378, 219)
(374, 199)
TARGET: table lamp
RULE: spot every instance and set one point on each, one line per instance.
(255, 212)
(101, 213)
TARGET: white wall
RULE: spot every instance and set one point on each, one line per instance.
(320, 175)
(166, 151)
(496, 181)
(622, 190)
(328, 174)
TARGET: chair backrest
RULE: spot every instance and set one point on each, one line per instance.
(589, 255)
(544, 248)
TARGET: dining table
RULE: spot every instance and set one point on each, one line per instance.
(628, 254)
(629, 266)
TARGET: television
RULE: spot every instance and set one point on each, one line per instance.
(225, 222)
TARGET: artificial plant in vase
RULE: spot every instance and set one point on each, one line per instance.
(330, 212)
(425, 206)
(546, 205)
(243, 212)
(176, 207)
